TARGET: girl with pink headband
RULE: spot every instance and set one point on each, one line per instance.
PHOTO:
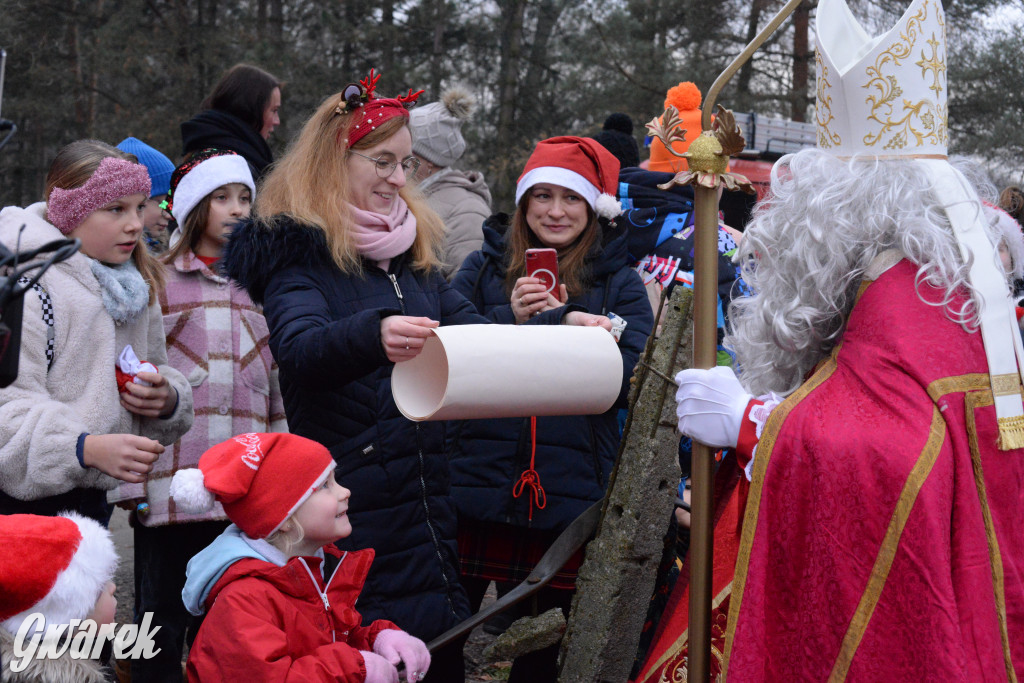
(94, 402)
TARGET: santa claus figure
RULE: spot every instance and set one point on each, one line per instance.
(880, 536)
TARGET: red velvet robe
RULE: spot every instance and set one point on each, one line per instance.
(883, 535)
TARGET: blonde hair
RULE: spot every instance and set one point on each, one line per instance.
(72, 167)
(573, 270)
(288, 535)
(310, 185)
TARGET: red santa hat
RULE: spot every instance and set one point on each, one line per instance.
(581, 164)
(56, 566)
(260, 479)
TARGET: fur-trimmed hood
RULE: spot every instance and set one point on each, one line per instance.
(257, 250)
(62, 670)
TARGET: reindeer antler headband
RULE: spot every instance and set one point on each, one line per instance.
(360, 100)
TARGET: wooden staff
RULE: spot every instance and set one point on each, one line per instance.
(705, 352)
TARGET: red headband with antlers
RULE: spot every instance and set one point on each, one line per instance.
(371, 111)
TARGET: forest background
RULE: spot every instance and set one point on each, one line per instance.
(108, 69)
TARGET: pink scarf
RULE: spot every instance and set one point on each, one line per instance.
(380, 238)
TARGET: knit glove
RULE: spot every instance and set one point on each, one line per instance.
(710, 405)
(398, 646)
(378, 669)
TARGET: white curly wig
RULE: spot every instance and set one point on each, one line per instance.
(807, 249)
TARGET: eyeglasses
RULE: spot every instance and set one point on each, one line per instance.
(385, 167)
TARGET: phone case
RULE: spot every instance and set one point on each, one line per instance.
(543, 264)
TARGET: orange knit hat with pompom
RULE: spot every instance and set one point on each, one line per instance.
(686, 98)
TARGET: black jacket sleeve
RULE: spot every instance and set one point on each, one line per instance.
(312, 348)
(632, 305)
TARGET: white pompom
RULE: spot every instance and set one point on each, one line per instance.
(608, 206)
(189, 493)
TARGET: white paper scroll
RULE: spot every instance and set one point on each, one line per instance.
(479, 371)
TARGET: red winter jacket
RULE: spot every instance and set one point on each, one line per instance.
(270, 623)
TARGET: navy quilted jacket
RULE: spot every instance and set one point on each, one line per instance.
(336, 381)
(575, 454)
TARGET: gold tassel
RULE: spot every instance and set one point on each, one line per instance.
(1011, 433)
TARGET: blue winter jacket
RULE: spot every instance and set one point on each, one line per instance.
(336, 382)
(575, 454)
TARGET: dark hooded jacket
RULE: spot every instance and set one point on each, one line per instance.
(221, 130)
(575, 454)
(336, 382)
(659, 226)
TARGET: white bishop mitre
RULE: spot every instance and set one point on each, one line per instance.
(884, 97)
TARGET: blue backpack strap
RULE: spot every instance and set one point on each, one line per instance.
(47, 305)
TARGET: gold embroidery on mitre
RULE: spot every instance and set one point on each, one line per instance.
(823, 107)
(1006, 385)
(903, 122)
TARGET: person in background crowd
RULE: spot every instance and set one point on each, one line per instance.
(95, 401)
(240, 113)
(1011, 200)
(660, 226)
(154, 219)
(218, 339)
(460, 198)
(61, 568)
(565, 201)
(281, 598)
(343, 255)
(617, 137)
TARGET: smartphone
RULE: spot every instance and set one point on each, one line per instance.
(543, 265)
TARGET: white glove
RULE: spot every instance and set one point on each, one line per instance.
(710, 405)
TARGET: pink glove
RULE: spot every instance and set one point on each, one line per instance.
(378, 669)
(398, 646)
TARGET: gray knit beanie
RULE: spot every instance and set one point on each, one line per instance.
(436, 128)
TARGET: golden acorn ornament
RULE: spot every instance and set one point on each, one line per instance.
(705, 154)
(708, 155)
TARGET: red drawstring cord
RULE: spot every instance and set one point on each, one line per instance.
(530, 477)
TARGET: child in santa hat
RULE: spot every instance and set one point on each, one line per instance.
(61, 569)
(280, 597)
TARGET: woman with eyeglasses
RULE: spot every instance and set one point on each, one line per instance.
(343, 255)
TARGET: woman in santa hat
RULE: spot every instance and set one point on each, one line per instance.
(518, 482)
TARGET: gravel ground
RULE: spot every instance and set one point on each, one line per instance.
(477, 670)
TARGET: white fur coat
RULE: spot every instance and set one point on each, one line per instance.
(61, 670)
(43, 413)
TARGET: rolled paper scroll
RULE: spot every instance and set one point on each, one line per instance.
(481, 371)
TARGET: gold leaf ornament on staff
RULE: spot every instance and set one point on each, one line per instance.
(708, 155)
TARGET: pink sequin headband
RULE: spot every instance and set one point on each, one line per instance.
(115, 178)
(372, 110)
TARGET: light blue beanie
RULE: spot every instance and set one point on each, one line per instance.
(159, 166)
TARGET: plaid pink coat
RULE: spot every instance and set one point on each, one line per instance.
(218, 338)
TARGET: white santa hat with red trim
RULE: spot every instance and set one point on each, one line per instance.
(582, 165)
(260, 479)
(56, 566)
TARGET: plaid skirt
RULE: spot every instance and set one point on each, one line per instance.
(503, 552)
